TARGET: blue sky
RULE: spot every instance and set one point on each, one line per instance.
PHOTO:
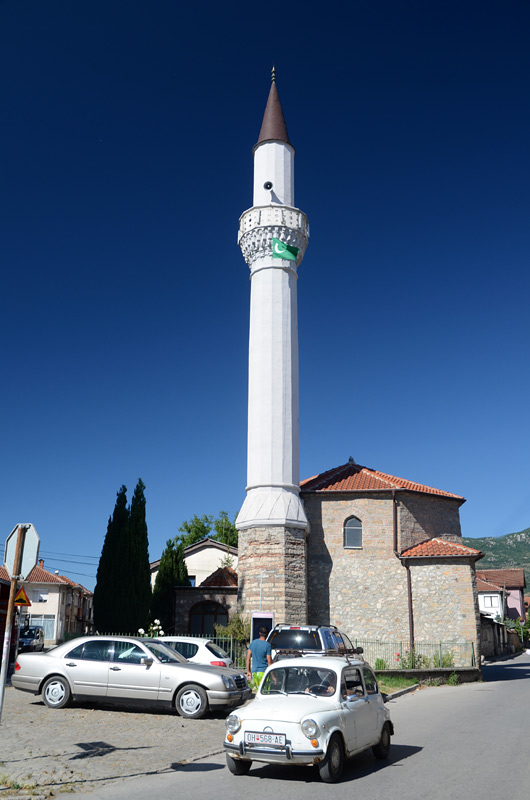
(126, 137)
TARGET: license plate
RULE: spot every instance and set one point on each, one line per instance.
(253, 737)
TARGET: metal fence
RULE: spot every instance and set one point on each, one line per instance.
(380, 655)
(424, 655)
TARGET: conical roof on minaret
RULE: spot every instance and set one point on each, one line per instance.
(273, 127)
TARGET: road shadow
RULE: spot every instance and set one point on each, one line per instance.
(512, 670)
(357, 767)
(196, 766)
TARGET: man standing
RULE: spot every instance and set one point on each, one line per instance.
(259, 654)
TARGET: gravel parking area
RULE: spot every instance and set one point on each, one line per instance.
(45, 752)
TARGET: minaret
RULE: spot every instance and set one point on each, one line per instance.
(272, 523)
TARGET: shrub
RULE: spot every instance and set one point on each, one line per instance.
(453, 679)
(238, 627)
(444, 660)
(412, 660)
(380, 663)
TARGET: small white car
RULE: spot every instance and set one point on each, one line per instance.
(313, 710)
(199, 651)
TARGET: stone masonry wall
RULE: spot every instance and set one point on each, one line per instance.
(445, 601)
(425, 517)
(363, 592)
(188, 596)
(272, 572)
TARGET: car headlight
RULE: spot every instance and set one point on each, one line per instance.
(232, 723)
(228, 682)
(310, 728)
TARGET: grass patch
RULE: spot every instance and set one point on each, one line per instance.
(393, 683)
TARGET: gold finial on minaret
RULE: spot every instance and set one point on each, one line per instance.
(273, 74)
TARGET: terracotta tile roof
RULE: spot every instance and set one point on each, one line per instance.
(440, 548)
(224, 576)
(352, 477)
(513, 578)
(40, 575)
(487, 586)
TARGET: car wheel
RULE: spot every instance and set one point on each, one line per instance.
(331, 767)
(237, 766)
(56, 692)
(382, 748)
(192, 701)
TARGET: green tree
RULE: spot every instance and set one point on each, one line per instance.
(139, 578)
(196, 529)
(172, 572)
(109, 574)
(225, 531)
(122, 594)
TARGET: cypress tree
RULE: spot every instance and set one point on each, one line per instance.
(139, 590)
(108, 583)
(172, 572)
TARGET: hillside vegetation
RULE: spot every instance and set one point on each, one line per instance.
(503, 552)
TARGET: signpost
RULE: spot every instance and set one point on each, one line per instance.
(29, 552)
(21, 553)
(21, 598)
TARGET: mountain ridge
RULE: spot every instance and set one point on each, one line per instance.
(504, 552)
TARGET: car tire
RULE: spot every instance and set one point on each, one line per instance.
(382, 748)
(331, 767)
(238, 766)
(191, 701)
(56, 692)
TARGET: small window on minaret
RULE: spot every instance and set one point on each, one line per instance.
(353, 533)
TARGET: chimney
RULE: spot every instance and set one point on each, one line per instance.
(41, 563)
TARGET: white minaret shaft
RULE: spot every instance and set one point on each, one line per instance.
(273, 438)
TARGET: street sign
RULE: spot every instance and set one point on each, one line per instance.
(30, 550)
(21, 598)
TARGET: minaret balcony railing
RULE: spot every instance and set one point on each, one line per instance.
(285, 216)
(260, 224)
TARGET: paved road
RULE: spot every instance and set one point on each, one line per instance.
(450, 742)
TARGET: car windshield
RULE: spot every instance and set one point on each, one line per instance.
(295, 639)
(164, 653)
(300, 680)
(29, 633)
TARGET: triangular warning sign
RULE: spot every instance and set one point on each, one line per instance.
(21, 598)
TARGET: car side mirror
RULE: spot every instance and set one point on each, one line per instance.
(146, 661)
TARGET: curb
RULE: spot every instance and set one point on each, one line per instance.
(401, 692)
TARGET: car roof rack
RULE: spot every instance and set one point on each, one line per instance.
(286, 652)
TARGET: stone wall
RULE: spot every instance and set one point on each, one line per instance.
(272, 572)
(187, 596)
(426, 517)
(364, 591)
(445, 601)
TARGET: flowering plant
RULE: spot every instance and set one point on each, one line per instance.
(155, 629)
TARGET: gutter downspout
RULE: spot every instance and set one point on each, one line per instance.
(395, 502)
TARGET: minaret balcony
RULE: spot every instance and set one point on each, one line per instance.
(260, 224)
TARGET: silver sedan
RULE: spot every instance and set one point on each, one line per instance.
(128, 669)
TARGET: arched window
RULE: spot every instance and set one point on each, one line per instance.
(203, 617)
(353, 533)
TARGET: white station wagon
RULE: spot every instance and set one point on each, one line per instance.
(313, 710)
